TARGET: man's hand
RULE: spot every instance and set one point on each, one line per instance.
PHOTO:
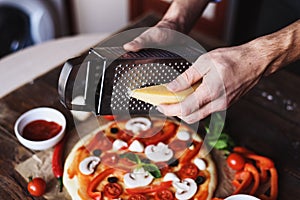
(228, 73)
(181, 16)
(161, 34)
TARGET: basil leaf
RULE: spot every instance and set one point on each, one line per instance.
(131, 156)
(221, 144)
(153, 170)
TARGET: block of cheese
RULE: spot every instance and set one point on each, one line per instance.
(159, 94)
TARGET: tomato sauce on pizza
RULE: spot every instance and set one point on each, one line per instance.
(140, 158)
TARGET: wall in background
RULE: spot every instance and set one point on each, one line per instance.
(100, 16)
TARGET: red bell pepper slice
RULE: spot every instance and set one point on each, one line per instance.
(250, 168)
(149, 189)
(191, 153)
(91, 190)
(163, 135)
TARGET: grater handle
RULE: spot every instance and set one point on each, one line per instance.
(66, 83)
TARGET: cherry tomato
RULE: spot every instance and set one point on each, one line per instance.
(235, 161)
(189, 170)
(164, 195)
(36, 186)
(137, 197)
(112, 190)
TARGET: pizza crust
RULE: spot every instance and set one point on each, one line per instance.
(71, 184)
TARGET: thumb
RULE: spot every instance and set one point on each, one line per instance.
(139, 42)
(133, 46)
(152, 37)
(185, 80)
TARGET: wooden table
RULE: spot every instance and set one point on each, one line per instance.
(266, 120)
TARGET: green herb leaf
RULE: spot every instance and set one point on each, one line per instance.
(152, 169)
(216, 138)
(220, 144)
(131, 156)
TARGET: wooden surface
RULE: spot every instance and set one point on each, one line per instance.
(267, 120)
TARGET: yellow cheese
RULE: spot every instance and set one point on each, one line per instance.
(159, 94)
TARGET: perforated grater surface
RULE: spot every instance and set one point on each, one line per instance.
(105, 76)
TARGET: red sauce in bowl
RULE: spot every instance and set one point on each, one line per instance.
(39, 130)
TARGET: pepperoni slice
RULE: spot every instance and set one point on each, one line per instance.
(110, 159)
(178, 145)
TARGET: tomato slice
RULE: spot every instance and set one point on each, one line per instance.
(189, 170)
(91, 189)
(164, 195)
(112, 190)
(137, 197)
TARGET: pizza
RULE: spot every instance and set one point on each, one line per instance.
(140, 158)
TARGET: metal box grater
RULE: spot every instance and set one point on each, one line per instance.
(104, 77)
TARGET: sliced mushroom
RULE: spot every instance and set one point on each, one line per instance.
(138, 124)
(185, 189)
(88, 165)
(138, 178)
(136, 146)
(171, 177)
(159, 153)
(183, 135)
(200, 163)
(118, 144)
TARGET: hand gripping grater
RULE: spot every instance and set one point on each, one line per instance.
(104, 77)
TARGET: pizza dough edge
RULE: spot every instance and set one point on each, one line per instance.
(71, 184)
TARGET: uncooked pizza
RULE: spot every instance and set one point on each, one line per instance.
(140, 158)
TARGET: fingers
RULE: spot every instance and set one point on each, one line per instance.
(185, 80)
(152, 37)
(195, 116)
(198, 105)
(190, 104)
(205, 111)
(138, 43)
(191, 76)
(133, 46)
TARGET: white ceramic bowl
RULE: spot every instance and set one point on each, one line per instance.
(42, 113)
(241, 197)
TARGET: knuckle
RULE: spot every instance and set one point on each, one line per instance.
(189, 76)
(187, 120)
(187, 107)
(170, 110)
(185, 112)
